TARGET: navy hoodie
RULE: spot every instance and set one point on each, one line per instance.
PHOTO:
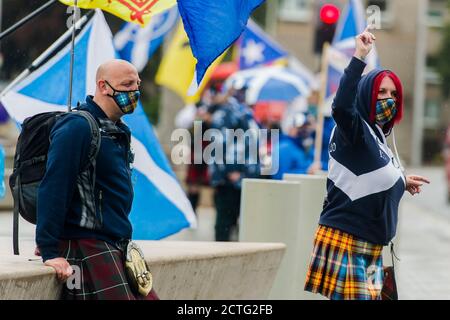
(59, 212)
(365, 182)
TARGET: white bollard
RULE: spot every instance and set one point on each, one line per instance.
(284, 211)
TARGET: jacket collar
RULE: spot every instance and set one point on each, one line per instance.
(95, 110)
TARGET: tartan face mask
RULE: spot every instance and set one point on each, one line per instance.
(125, 100)
(386, 110)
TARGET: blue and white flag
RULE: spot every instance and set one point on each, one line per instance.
(257, 48)
(160, 206)
(137, 44)
(212, 26)
(351, 23)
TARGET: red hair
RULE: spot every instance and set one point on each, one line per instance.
(399, 100)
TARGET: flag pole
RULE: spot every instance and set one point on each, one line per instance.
(29, 17)
(320, 115)
(46, 54)
(72, 55)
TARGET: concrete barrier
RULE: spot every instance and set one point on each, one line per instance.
(181, 270)
(284, 211)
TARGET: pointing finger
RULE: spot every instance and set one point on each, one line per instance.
(420, 178)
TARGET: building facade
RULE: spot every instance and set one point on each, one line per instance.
(397, 46)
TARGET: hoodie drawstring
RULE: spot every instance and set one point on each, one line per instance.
(396, 152)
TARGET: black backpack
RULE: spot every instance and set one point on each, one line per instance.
(30, 162)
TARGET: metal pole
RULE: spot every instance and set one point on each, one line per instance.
(29, 17)
(271, 16)
(419, 86)
(72, 55)
(320, 106)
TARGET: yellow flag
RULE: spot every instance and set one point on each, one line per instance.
(177, 67)
(137, 11)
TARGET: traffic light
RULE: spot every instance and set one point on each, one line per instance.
(325, 26)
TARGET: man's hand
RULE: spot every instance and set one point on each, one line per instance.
(413, 183)
(364, 44)
(62, 267)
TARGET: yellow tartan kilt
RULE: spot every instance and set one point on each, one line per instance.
(343, 267)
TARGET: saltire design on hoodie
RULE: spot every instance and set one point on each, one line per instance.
(365, 180)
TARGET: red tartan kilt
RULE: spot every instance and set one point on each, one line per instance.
(102, 272)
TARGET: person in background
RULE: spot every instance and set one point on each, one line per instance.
(226, 171)
(197, 173)
(328, 125)
(296, 147)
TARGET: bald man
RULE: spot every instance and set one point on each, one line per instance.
(84, 232)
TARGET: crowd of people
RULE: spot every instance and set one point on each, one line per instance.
(225, 108)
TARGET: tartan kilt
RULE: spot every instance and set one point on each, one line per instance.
(343, 267)
(101, 266)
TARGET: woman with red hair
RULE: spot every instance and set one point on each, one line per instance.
(365, 184)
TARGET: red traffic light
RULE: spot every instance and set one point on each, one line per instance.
(329, 13)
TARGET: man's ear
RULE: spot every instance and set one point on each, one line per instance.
(103, 88)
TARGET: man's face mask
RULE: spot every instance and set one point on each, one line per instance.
(125, 100)
(386, 110)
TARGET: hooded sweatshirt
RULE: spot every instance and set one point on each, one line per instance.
(365, 181)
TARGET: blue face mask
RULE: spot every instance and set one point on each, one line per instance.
(386, 110)
(126, 100)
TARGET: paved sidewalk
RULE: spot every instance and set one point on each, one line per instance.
(423, 240)
(433, 196)
(424, 253)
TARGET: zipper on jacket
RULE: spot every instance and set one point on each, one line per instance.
(100, 208)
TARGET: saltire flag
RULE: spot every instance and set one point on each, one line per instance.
(177, 67)
(137, 45)
(136, 11)
(255, 47)
(351, 23)
(160, 207)
(212, 26)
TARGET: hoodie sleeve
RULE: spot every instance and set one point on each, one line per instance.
(70, 140)
(343, 109)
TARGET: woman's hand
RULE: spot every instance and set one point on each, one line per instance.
(413, 183)
(364, 43)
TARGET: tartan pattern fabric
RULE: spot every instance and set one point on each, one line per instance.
(343, 267)
(385, 110)
(127, 101)
(101, 267)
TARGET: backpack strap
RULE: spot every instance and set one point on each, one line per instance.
(16, 216)
(96, 136)
(87, 174)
